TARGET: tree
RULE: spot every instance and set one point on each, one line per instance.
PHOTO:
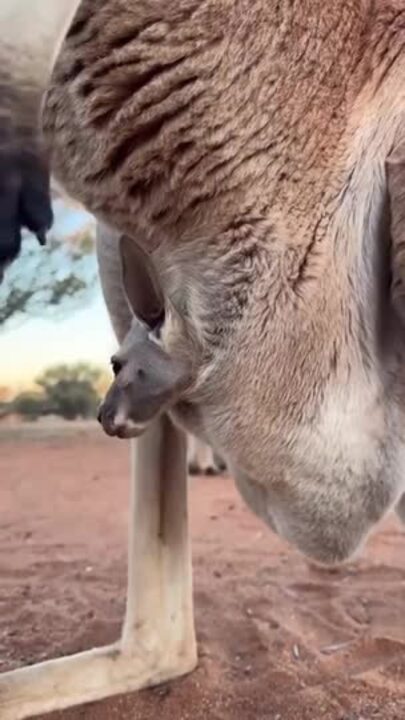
(47, 280)
(71, 390)
(30, 405)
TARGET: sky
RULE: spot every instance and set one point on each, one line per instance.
(83, 334)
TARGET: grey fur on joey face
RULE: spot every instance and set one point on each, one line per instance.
(147, 380)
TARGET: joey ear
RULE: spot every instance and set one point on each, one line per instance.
(140, 282)
(395, 168)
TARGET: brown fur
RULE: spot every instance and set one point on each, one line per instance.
(243, 144)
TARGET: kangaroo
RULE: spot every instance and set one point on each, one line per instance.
(253, 151)
(201, 460)
(132, 365)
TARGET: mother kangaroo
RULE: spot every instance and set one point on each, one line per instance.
(253, 151)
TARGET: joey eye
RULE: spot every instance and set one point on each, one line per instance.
(116, 366)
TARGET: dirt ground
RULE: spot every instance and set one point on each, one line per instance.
(278, 639)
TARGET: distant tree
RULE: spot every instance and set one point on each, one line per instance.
(46, 281)
(71, 390)
(30, 405)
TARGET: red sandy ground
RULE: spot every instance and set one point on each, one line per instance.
(278, 640)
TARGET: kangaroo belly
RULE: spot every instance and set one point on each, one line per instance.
(325, 526)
